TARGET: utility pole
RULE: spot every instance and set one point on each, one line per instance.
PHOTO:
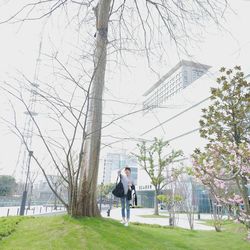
(101, 198)
(24, 197)
(102, 184)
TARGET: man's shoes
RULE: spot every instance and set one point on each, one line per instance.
(126, 224)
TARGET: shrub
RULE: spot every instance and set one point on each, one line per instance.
(8, 225)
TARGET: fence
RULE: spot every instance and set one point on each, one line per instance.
(34, 210)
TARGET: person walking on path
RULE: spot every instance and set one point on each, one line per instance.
(128, 185)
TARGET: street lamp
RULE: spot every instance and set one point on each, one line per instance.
(24, 197)
(110, 205)
(102, 184)
(101, 197)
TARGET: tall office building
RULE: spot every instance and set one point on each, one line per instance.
(176, 84)
(111, 162)
(115, 161)
(179, 77)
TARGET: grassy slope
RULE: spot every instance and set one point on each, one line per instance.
(63, 232)
(8, 225)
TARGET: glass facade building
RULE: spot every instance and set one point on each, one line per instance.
(115, 161)
(145, 198)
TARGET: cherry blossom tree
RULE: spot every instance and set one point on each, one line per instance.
(220, 168)
(224, 165)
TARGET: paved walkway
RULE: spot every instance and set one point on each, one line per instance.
(115, 213)
(182, 220)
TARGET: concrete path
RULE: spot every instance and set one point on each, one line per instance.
(136, 213)
(181, 221)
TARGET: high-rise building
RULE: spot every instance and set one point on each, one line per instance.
(187, 84)
(179, 77)
(115, 161)
(112, 162)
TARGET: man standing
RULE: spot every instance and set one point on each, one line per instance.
(128, 185)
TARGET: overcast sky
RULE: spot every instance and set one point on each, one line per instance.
(219, 47)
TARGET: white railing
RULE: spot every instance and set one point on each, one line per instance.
(34, 210)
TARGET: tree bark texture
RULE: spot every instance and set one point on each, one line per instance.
(87, 200)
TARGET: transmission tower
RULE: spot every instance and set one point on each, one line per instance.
(24, 155)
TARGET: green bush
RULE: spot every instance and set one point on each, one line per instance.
(8, 225)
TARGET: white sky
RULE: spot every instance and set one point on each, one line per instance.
(19, 48)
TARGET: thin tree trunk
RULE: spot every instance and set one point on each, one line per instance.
(156, 209)
(87, 201)
(55, 198)
(245, 195)
(31, 193)
(190, 215)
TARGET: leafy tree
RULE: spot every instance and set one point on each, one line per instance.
(228, 119)
(156, 161)
(105, 189)
(162, 198)
(224, 165)
(7, 185)
(170, 200)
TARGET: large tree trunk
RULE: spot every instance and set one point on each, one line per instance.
(87, 201)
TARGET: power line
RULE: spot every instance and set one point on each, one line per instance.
(184, 134)
(177, 115)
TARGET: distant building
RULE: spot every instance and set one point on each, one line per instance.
(115, 161)
(44, 191)
(134, 174)
(176, 79)
(184, 85)
(112, 162)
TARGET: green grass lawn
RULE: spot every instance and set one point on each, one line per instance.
(66, 233)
